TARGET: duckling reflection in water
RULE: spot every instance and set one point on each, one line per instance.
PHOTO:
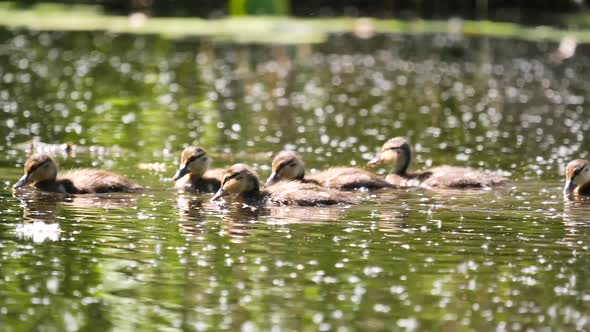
(397, 153)
(577, 178)
(241, 181)
(41, 172)
(193, 221)
(194, 175)
(288, 166)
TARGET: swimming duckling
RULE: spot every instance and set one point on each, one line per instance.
(288, 166)
(577, 178)
(397, 152)
(41, 172)
(194, 175)
(243, 182)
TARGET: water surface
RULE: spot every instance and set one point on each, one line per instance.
(515, 258)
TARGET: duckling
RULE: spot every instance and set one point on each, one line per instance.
(287, 165)
(397, 152)
(242, 181)
(41, 172)
(193, 174)
(577, 178)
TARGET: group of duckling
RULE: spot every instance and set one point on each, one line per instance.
(288, 183)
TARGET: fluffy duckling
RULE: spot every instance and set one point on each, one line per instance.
(287, 165)
(41, 172)
(241, 181)
(397, 152)
(577, 178)
(194, 175)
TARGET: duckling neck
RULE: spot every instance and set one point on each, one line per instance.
(194, 178)
(301, 175)
(403, 162)
(51, 185)
(253, 197)
(583, 189)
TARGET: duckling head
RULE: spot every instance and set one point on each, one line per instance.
(577, 175)
(38, 168)
(194, 160)
(395, 152)
(286, 166)
(238, 179)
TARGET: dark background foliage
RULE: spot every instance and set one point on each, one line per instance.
(511, 10)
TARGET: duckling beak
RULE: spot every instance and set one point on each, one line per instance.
(220, 193)
(23, 181)
(375, 161)
(569, 187)
(273, 178)
(180, 173)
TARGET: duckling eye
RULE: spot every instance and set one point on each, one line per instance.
(291, 165)
(229, 177)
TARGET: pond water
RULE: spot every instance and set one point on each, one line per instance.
(516, 258)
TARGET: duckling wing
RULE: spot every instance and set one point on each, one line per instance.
(349, 178)
(461, 177)
(306, 194)
(85, 181)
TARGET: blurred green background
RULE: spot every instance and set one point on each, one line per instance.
(521, 11)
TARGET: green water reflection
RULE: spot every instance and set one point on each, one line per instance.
(515, 258)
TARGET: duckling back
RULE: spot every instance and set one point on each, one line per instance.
(460, 177)
(306, 194)
(87, 181)
(349, 178)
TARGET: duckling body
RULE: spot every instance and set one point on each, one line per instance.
(207, 183)
(194, 175)
(349, 178)
(287, 165)
(446, 177)
(243, 182)
(305, 194)
(397, 153)
(41, 172)
(577, 178)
